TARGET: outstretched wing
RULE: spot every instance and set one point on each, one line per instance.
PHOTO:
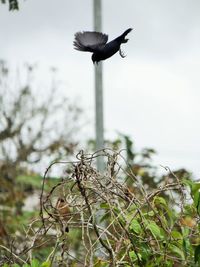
(89, 41)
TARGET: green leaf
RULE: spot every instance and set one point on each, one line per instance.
(188, 183)
(135, 226)
(116, 210)
(185, 231)
(195, 192)
(46, 264)
(197, 255)
(186, 246)
(177, 251)
(154, 229)
(195, 187)
(132, 255)
(176, 235)
(26, 265)
(165, 221)
(145, 252)
(15, 265)
(151, 213)
(104, 206)
(197, 201)
(168, 263)
(35, 263)
(159, 201)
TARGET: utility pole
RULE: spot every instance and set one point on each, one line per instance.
(99, 125)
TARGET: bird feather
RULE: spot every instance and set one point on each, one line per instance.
(89, 41)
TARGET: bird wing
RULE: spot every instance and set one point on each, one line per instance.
(89, 41)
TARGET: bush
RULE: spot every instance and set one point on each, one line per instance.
(98, 219)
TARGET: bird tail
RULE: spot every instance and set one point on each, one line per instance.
(123, 39)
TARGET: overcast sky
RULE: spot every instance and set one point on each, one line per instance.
(152, 95)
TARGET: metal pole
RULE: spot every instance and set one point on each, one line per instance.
(98, 90)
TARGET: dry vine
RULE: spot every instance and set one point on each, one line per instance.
(90, 218)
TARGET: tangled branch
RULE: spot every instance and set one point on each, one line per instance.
(90, 218)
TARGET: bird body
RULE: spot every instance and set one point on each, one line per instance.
(63, 213)
(62, 208)
(96, 43)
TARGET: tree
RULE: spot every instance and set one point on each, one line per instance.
(13, 4)
(32, 126)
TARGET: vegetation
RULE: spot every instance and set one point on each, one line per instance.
(30, 133)
(129, 215)
(107, 220)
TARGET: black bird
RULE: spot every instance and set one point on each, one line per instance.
(96, 42)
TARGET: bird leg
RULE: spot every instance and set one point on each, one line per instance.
(122, 53)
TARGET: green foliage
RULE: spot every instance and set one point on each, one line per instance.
(149, 225)
(33, 263)
(26, 122)
(195, 193)
(135, 216)
(154, 229)
(135, 226)
(197, 255)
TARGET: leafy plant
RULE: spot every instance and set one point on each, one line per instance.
(108, 224)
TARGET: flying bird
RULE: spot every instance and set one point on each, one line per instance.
(96, 43)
